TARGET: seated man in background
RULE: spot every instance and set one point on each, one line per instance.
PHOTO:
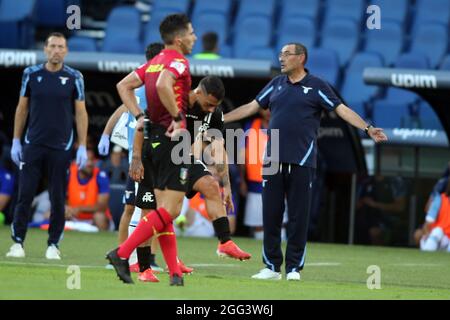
(88, 195)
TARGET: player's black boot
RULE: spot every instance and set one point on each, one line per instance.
(120, 265)
(176, 280)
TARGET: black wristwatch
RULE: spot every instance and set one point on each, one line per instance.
(179, 117)
(140, 115)
(366, 129)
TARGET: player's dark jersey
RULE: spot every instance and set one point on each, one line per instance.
(199, 121)
(51, 105)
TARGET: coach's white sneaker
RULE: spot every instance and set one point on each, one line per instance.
(16, 251)
(293, 276)
(267, 274)
(52, 253)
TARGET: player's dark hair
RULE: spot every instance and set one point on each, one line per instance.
(300, 49)
(213, 86)
(172, 26)
(209, 41)
(153, 49)
(55, 34)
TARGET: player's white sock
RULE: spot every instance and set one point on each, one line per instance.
(135, 218)
(258, 235)
(433, 240)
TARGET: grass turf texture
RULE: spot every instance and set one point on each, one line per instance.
(331, 272)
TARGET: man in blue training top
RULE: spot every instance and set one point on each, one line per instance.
(51, 97)
(296, 99)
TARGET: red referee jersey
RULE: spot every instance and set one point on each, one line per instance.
(176, 63)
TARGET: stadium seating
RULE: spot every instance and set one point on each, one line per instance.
(354, 90)
(123, 31)
(428, 117)
(247, 38)
(387, 41)
(348, 9)
(396, 10)
(79, 43)
(390, 115)
(255, 7)
(171, 5)
(210, 21)
(52, 13)
(445, 65)
(324, 63)
(16, 23)
(296, 29)
(432, 11)
(263, 53)
(341, 35)
(431, 39)
(303, 8)
(222, 6)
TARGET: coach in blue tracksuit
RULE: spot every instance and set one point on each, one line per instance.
(296, 100)
(51, 97)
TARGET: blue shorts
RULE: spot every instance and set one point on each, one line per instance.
(129, 196)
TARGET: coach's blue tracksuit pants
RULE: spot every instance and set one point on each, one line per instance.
(35, 160)
(293, 183)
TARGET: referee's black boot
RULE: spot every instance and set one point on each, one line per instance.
(120, 265)
(176, 280)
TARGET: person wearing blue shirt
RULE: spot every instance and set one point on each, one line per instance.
(51, 98)
(296, 100)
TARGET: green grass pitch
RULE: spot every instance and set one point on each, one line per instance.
(331, 272)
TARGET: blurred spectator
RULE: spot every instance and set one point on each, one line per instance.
(116, 167)
(41, 208)
(380, 207)
(88, 195)
(6, 188)
(210, 47)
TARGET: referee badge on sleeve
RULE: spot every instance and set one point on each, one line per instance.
(183, 175)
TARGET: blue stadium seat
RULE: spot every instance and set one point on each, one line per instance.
(123, 31)
(428, 117)
(261, 53)
(341, 35)
(354, 90)
(171, 5)
(207, 22)
(388, 41)
(255, 7)
(296, 29)
(324, 63)
(348, 9)
(445, 63)
(431, 39)
(390, 115)
(52, 13)
(360, 109)
(202, 6)
(392, 10)
(304, 8)
(16, 23)
(432, 11)
(247, 38)
(79, 43)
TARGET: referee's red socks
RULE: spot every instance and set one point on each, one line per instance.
(151, 223)
(168, 242)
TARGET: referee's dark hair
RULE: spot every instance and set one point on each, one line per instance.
(55, 34)
(300, 49)
(153, 49)
(214, 86)
(173, 25)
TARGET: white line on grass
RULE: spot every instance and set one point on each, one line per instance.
(417, 265)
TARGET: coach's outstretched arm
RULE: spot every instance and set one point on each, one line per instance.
(355, 120)
(125, 88)
(242, 112)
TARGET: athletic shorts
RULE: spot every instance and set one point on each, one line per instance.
(166, 174)
(130, 192)
(145, 196)
(197, 170)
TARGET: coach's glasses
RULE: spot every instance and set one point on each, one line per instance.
(287, 54)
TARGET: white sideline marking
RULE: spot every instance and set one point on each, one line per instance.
(323, 264)
(417, 265)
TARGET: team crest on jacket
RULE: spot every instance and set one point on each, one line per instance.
(63, 80)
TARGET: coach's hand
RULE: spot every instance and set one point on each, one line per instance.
(377, 134)
(81, 157)
(16, 151)
(136, 170)
(103, 145)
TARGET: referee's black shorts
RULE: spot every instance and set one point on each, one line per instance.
(145, 196)
(166, 174)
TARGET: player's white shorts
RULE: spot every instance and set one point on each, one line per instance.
(253, 210)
